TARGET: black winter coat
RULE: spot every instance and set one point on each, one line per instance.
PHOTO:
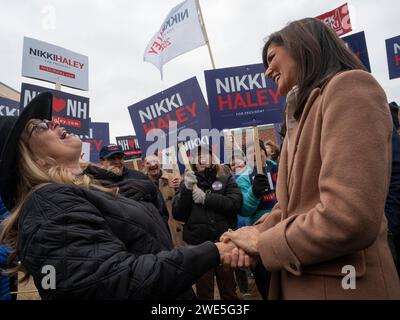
(217, 215)
(137, 182)
(104, 246)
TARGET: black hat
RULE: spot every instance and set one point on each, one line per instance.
(10, 132)
(110, 150)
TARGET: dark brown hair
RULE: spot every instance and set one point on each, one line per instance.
(318, 52)
(275, 150)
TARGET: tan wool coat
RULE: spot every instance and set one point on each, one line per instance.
(331, 190)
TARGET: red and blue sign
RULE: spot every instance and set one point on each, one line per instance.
(356, 42)
(99, 135)
(130, 146)
(183, 103)
(242, 97)
(71, 111)
(393, 56)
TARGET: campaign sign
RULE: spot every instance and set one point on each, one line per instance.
(183, 104)
(393, 56)
(356, 42)
(337, 19)
(71, 111)
(99, 135)
(242, 97)
(85, 153)
(45, 61)
(9, 107)
(130, 146)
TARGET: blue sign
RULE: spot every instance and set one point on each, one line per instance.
(71, 111)
(183, 103)
(9, 107)
(130, 146)
(356, 42)
(393, 56)
(242, 97)
(99, 135)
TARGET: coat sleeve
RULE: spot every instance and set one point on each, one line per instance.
(353, 180)
(250, 201)
(91, 262)
(227, 204)
(182, 204)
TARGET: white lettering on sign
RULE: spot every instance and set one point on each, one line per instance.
(163, 107)
(396, 48)
(76, 109)
(8, 111)
(124, 144)
(237, 83)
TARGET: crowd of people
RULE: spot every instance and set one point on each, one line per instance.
(329, 197)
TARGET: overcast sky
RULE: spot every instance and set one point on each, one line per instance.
(114, 34)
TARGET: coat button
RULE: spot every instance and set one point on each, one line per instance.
(293, 266)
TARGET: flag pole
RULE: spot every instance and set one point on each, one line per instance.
(203, 26)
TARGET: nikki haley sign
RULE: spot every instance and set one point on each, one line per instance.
(183, 103)
(393, 56)
(242, 97)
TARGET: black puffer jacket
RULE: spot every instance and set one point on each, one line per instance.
(217, 215)
(104, 246)
(134, 185)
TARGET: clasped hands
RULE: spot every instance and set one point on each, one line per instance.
(239, 249)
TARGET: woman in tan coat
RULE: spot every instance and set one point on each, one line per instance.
(326, 236)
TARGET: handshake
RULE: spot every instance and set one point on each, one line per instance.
(239, 249)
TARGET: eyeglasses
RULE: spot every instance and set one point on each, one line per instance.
(42, 125)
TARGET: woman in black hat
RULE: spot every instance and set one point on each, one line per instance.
(77, 238)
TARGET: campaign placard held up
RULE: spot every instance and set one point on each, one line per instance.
(393, 56)
(8, 107)
(130, 145)
(242, 97)
(71, 111)
(183, 104)
(356, 42)
(99, 135)
(45, 61)
(338, 19)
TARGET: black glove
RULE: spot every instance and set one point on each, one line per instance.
(102, 175)
(138, 189)
(260, 185)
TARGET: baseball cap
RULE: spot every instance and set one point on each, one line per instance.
(110, 150)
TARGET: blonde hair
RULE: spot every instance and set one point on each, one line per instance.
(31, 177)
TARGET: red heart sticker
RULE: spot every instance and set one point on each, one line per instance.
(58, 104)
(131, 143)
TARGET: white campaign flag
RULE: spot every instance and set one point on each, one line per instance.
(180, 32)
